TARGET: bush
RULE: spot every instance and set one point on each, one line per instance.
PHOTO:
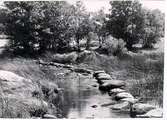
(114, 46)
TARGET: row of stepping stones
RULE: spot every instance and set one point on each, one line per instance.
(123, 99)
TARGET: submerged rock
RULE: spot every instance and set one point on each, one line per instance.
(111, 84)
(141, 108)
(94, 106)
(155, 113)
(94, 85)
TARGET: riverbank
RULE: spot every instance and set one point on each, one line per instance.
(78, 95)
(143, 74)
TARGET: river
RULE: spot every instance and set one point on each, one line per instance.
(82, 99)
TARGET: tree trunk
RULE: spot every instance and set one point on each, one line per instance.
(78, 46)
(88, 43)
(100, 42)
(129, 46)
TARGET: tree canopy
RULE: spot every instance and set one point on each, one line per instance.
(126, 21)
(54, 25)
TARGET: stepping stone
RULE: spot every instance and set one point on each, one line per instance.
(48, 116)
(111, 84)
(97, 72)
(155, 113)
(109, 104)
(130, 100)
(116, 91)
(141, 108)
(35, 118)
(103, 76)
(123, 95)
(120, 106)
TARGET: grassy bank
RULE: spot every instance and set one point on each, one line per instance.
(143, 72)
(44, 80)
(47, 78)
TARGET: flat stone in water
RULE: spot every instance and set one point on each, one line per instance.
(116, 90)
(103, 76)
(97, 72)
(48, 116)
(141, 108)
(130, 100)
(155, 113)
(120, 106)
(111, 84)
(109, 104)
(123, 95)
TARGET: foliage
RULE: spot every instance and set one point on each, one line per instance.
(100, 19)
(41, 26)
(153, 27)
(114, 46)
(125, 21)
(131, 22)
(37, 27)
(81, 24)
(2, 20)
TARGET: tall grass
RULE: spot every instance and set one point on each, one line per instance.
(43, 78)
(146, 71)
(143, 72)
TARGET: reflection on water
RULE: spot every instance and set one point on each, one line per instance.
(82, 100)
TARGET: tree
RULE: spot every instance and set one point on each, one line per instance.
(37, 26)
(80, 23)
(100, 20)
(153, 27)
(126, 21)
(2, 20)
(19, 26)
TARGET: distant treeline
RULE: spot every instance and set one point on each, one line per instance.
(54, 25)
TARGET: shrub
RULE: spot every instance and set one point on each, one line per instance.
(114, 46)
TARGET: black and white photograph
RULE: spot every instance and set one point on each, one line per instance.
(86, 59)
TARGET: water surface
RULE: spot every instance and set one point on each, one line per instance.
(82, 99)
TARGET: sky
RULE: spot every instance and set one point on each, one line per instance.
(95, 5)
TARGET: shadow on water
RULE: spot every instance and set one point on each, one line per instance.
(81, 98)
